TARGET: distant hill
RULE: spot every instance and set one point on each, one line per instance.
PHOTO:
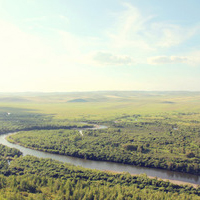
(77, 101)
(164, 97)
(13, 99)
(168, 102)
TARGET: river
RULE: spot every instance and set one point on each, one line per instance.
(104, 165)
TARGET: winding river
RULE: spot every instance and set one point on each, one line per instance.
(104, 165)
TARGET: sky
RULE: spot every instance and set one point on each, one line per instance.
(94, 45)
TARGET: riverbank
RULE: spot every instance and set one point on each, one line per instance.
(182, 178)
(176, 182)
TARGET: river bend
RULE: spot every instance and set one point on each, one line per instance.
(104, 165)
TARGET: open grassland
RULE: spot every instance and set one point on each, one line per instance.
(108, 107)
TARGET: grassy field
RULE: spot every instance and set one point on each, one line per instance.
(107, 105)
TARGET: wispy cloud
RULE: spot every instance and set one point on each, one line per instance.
(132, 39)
(129, 29)
(168, 35)
(142, 36)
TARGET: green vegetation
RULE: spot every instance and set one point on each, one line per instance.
(6, 155)
(159, 130)
(33, 178)
(17, 119)
(137, 143)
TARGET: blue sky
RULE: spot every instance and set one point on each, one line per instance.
(79, 45)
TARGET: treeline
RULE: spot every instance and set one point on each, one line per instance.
(33, 178)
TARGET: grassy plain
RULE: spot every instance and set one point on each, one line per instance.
(107, 105)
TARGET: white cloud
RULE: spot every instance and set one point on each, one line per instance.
(191, 59)
(157, 60)
(105, 58)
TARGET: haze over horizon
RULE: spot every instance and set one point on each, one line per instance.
(66, 46)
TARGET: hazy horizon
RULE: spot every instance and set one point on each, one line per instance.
(104, 91)
(84, 46)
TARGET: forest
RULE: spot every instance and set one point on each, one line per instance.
(167, 138)
(33, 178)
(159, 130)
(132, 145)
